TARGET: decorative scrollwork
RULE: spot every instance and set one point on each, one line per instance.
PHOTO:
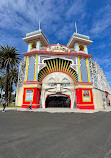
(21, 74)
(98, 78)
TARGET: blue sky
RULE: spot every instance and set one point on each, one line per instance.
(93, 17)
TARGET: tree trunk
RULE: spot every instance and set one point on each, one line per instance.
(10, 92)
(6, 84)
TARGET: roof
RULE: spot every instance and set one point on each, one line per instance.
(36, 35)
(79, 38)
(57, 53)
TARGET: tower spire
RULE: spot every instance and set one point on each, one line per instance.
(75, 26)
(39, 24)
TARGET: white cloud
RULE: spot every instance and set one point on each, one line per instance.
(18, 17)
(108, 76)
(77, 8)
(103, 60)
(23, 15)
(101, 21)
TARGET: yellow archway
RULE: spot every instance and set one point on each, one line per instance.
(57, 65)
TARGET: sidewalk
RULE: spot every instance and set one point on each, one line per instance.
(58, 110)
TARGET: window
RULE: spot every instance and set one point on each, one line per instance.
(33, 45)
(81, 48)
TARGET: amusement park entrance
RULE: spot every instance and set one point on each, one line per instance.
(58, 101)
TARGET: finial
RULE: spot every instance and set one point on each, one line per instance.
(76, 27)
(39, 24)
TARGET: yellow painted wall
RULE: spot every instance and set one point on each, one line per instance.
(19, 96)
(97, 98)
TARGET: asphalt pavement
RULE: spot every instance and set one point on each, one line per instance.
(25, 134)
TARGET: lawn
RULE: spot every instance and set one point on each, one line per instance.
(9, 106)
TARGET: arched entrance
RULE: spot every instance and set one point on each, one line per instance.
(60, 85)
(58, 101)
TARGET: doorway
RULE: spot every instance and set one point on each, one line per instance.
(58, 101)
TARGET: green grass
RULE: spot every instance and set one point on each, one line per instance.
(10, 106)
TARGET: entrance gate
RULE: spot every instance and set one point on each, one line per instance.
(58, 101)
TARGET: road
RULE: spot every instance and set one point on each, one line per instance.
(55, 135)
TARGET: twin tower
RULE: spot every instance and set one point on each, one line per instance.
(56, 75)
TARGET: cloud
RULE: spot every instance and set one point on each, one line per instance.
(18, 17)
(101, 22)
(108, 76)
(23, 15)
(77, 8)
(103, 60)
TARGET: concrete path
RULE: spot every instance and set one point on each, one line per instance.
(58, 110)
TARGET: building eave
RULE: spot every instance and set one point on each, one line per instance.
(57, 53)
(74, 40)
(39, 36)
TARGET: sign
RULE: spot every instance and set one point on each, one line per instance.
(86, 96)
(29, 95)
(57, 48)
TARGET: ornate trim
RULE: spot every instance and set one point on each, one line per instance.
(57, 65)
(79, 69)
(35, 75)
(26, 72)
(89, 79)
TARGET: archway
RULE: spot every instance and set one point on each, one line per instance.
(58, 101)
(57, 84)
(57, 65)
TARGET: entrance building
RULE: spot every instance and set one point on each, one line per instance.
(60, 76)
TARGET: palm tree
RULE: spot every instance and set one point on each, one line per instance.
(9, 58)
(2, 81)
(1, 86)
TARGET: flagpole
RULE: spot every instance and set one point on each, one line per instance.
(39, 24)
(76, 27)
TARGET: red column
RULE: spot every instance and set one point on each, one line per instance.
(35, 100)
(84, 101)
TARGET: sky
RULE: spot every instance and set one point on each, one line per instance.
(57, 17)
